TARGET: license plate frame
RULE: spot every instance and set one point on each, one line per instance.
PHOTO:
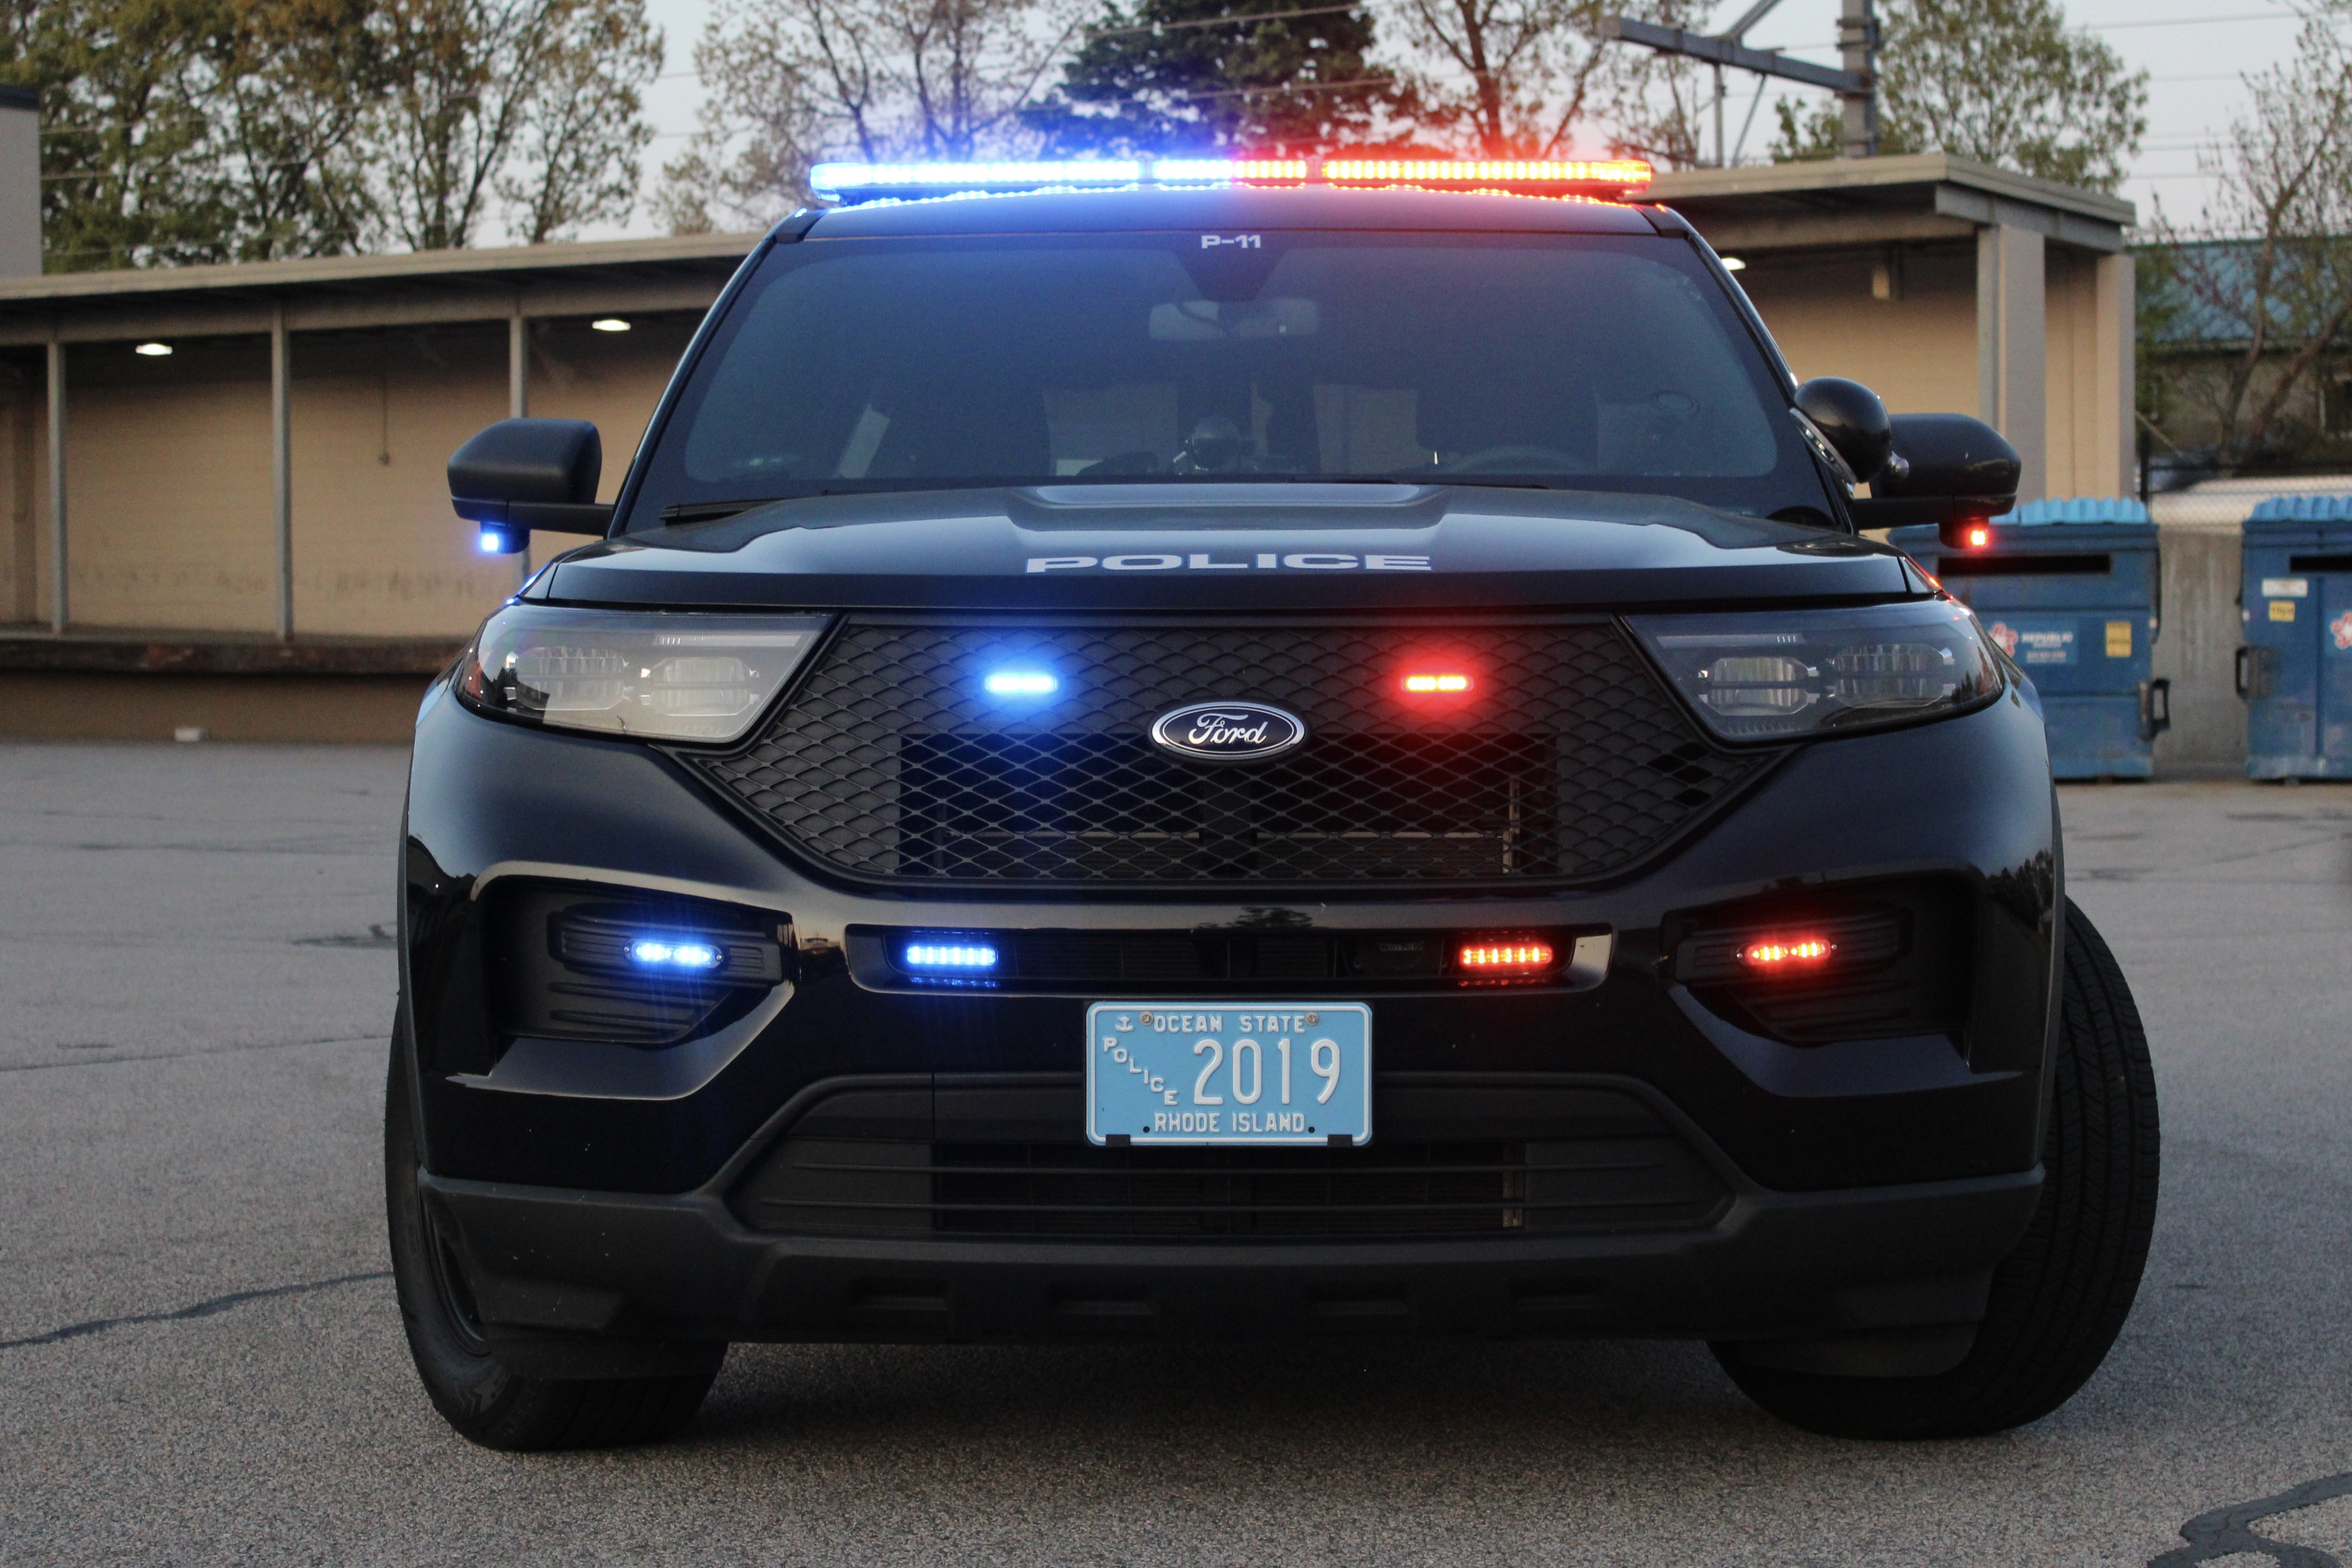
(1153, 1080)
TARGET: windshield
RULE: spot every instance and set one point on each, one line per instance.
(1573, 361)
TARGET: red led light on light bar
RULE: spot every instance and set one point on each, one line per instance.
(1617, 173)
(1488, 957)
(1424, 684)
(1783, 953)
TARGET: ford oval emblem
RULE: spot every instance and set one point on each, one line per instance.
(1228, 732)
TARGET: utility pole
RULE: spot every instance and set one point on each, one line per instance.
(1857, 84)
(1858, 52)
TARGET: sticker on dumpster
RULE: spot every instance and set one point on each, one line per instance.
(2281, 609)
(2286, 588)
(2032, 645)
(2118, 640)
(2340, 628)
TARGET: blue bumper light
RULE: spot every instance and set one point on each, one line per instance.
(675, 955)
(948, 957)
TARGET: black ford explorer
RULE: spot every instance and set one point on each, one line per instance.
(1314, 757)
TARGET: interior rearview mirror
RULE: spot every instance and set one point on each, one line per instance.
(521, 474)
(1957, 470)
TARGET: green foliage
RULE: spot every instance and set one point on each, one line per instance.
(1168, 75)
(2001, 81)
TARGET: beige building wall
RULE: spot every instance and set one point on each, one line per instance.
(171, 522)
(1916, 346)
(21, 514)
(2089, 323)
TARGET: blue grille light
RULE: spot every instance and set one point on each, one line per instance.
(1020, 683)
(950, 957)
(678, 956)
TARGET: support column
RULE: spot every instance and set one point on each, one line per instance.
(1858, 52)
(519, 406)
(281, 464)
(518, 365)
(2012, 348)
(2115, 378)
(57, 606)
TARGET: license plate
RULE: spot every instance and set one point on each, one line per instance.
(1229, 1072)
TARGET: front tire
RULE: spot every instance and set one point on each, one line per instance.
(2060, 1298)
(476, 1391)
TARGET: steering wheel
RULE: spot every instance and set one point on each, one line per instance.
(1518, 459)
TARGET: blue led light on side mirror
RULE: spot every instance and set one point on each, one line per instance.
(502, 542)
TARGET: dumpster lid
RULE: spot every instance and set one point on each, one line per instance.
(2074, 510)
(2303, 509)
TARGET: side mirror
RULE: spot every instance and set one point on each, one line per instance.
(1853, 419)
(521, 474)
(1958, 471)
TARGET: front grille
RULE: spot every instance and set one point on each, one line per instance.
(1568, 761)
(1476, 1159)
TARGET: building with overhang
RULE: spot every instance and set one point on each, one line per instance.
(249, 534)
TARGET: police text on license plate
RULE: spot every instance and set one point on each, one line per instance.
(1229, 1072)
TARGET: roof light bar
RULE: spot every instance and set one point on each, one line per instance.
(1617, 179)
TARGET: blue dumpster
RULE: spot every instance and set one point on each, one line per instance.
(2296, 670)
(2070, 587)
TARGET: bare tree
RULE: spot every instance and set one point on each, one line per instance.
(476, 82)
(790, 82)
(2269, 262)
(1517, 75)
(1656, 100)
(577, 160)
(290, 84)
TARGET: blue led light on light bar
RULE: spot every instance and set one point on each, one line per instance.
(1020, 683)
(949, 957)
(675, 955)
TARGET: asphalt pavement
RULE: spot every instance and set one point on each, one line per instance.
(201, 1361)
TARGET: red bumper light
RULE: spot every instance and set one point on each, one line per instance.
(1782, 954)
(1505, 957)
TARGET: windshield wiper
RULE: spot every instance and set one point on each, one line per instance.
(710, 511)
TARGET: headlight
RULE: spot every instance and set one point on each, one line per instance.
(1776, 674)
(654, 676)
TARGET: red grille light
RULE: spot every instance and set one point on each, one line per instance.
(1505, 957)
(1780, 954)
(1424, 683)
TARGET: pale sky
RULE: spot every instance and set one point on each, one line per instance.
(2195, 52)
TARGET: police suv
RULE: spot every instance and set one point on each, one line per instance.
(1248, 749)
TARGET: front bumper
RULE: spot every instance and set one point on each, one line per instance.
(1775, 1266)
(1871, 1184)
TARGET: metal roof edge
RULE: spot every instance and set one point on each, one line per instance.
(490, 263)
(1824, 174)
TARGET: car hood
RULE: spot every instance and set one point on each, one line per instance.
(1229, 546)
